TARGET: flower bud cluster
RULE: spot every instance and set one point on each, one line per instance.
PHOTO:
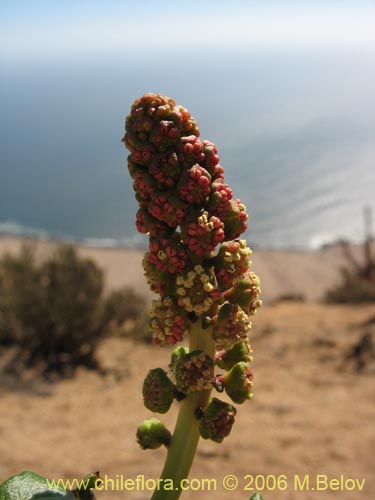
(192, 220)
(152, 434)
(196, 262)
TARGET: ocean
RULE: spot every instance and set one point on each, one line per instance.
(295, 132)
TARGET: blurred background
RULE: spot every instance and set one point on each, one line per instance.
(286, 89)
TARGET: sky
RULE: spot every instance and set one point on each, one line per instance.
(304, 82)
(44, 29)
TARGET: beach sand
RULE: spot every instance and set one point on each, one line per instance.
(312, 412)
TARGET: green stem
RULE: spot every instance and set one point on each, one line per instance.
(185, 438)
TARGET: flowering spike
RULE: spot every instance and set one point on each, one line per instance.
(217, 420)
(158, 391)
(152, 434)
(199, 270)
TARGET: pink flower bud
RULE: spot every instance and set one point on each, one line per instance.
(211, 160)
(165, 169)
(194, 185)
(190, 151)
(137, 126)
(220, 196)
(203, 234)
(231, 326)
(156, 123)
(165, 135)
(234, 216)
(142, 156)
(146, 223)
(231, 262)
(168, 254)
(144, 185)
(190, 126)
(168, 322)
(168, 208)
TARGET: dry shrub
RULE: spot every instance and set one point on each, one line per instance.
(357, 278)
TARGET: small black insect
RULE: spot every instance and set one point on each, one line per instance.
(198, 413)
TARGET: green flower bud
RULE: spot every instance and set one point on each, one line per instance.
(240, 352)
(238, 382)
(194, 372)
(246, 292)
(177, 353)
(158, 391)
(152, 433)
(234, 216)
(217, 420)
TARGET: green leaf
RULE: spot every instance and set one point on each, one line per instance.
(256, 496)
(30, 486)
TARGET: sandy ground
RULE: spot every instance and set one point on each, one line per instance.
(312, 412)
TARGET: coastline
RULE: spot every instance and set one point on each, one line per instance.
(309, 273)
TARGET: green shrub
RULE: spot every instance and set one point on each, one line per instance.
(125, 313)
(51, 312)
(21, 303)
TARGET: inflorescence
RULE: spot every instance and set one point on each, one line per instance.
(196, 262)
